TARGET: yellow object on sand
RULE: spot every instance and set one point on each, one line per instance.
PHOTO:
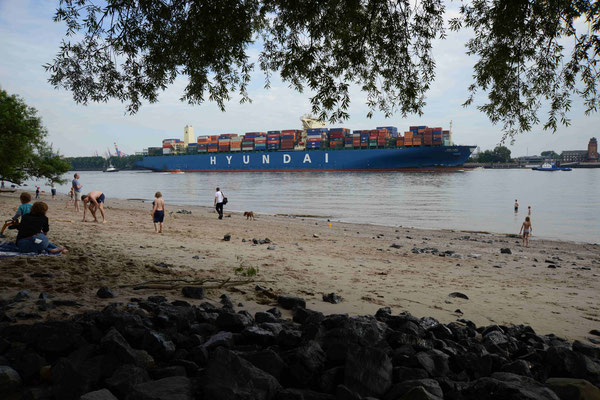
(329, 225)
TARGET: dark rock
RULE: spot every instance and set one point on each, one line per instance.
(224, 339)
(563, 362)
(344, 393)
(165, 372)
(227, 237)
(125, 378)
(459, 295)
(587, 349)
(595, 332)
(193, 292)
(191, 368)
(505, 250)
(305, 363)
(41, 275)
(573, 389)
(368, 371)
(157, 299)
(228, 377)
(28, 365)
(65, 303)
(259, 336)
(113, 342)
(332, 298)
(157, 345)
(433, 361)
(226, 301)
(43, 296)
(10, 380)
(102, 394)
(172, 388)
(303, 316)
(261, 317)
(290, 302)
(302, 394)
(401, 374)
(22, 295)
(105, 293)
(233, 322)
(180, 303)
(502, 385)
(396, 246)
(419, 393)
(275, 311)
(289, 338)
(330, 379)
(268, 361)
(400, 389)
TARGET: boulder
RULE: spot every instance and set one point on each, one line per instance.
(433, 361)
(267, 360)
(224, 339)
(368, 371)
(10, 380)
(233, 322)
(419, 393)
(228, 377)
(400, 389)
(172, 388)
(192, 292)
(105, 293)
(305, 363)
(157, 345)
(573, 389)
(291, 302)
(503, 385)
(102, 394)
(125, 378)
(332, 298)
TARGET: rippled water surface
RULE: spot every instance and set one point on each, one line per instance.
(565, 205)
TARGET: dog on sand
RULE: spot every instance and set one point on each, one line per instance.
(249, 215)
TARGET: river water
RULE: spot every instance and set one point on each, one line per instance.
(565, 205)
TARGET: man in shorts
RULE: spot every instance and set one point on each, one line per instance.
(95, 201)
(77, 191)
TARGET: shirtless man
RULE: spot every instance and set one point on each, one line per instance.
(158, 212)
(96, 202)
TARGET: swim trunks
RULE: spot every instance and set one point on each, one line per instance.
(101, 198)
(526, 231)
(159, 216)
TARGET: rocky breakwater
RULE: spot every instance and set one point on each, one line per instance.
(154, 349)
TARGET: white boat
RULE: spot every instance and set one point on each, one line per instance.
(111, 168)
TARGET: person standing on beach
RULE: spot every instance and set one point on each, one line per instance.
(526, 229)
(529, 210)
(158, 212)
(53, 190)
(76, 190)
(516, 205)
(37, 192)
(219, 202)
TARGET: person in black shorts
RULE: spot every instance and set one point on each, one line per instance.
(96, 202)
(158, 212)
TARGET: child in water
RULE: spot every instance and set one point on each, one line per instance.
(526, 229)
(158, 212)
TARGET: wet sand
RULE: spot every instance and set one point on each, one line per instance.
(309, 258)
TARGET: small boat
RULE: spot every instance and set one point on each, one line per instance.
(550, 167)
(111, 168)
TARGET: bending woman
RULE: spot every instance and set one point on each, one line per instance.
(32, 232)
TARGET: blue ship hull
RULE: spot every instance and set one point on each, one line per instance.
(391, 159)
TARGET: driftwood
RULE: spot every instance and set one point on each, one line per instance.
(177, 283)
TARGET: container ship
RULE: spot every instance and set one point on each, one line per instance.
(313, 148)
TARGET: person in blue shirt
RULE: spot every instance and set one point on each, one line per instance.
(24, 209)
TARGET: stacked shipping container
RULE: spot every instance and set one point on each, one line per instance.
(316, 138)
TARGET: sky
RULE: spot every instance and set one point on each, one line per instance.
(29, 39)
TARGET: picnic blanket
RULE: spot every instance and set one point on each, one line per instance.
(9, 249)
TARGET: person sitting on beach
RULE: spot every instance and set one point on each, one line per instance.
(22, 210)
(33, 229)
(526, 229)
(158, 212)
(96, 202)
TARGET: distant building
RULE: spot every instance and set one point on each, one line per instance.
(573, 156)
(530, 159)
(592, 153)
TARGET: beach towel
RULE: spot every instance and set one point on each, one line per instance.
(9, 249)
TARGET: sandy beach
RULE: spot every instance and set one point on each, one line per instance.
(552, 286)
